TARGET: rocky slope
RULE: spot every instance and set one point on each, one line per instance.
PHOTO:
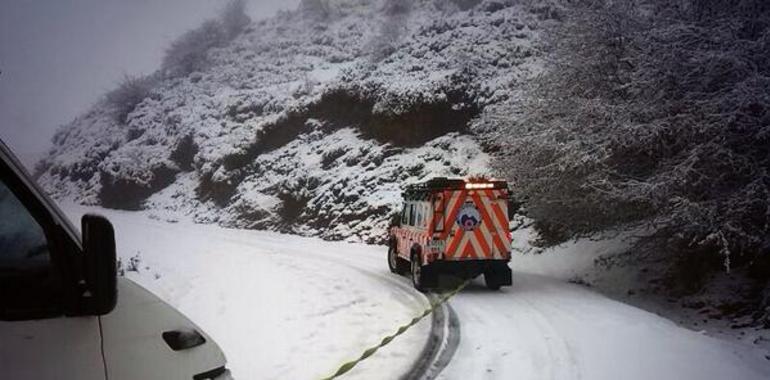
(309, 122)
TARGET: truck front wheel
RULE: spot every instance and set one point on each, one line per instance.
(417, 279)
(396, 264)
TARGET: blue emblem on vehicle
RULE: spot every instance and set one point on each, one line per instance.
(468, 218)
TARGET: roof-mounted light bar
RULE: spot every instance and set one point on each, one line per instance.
(475, 186)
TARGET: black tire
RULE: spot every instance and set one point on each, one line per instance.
(416, 271)
(491, 281)
(392, 258)
(396, 264)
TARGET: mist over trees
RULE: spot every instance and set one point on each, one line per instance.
(187, 54)
(654, 113)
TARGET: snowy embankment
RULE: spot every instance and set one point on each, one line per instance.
(308, 122)
(283, 307)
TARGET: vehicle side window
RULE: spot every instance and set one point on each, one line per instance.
(418, 219)
(27, 281)
(405, 214)
(411, 214)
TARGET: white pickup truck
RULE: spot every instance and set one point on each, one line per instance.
(64, 312)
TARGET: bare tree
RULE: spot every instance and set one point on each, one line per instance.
(130, 92)
(654, 112)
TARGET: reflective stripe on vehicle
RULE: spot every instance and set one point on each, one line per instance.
(490, 239)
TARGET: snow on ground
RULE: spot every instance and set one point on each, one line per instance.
(543, 328)
(288, 307)
(281, 307)
(603, 264)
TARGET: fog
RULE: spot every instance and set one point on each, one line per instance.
(58, 57)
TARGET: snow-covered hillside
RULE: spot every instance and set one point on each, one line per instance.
(309, 122)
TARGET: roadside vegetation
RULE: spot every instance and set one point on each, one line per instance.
(652, 115)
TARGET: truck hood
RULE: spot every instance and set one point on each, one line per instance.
(133, 344)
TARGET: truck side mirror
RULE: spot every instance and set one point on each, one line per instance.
(100, 264)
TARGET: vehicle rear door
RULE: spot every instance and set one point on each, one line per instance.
(476, 225)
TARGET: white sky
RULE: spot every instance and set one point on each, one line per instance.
(57, 57)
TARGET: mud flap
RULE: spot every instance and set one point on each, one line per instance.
(501, 273)
(446, 275)
(430, 276)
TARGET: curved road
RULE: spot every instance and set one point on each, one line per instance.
(289, 307)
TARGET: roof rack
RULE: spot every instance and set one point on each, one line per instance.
(422, 190)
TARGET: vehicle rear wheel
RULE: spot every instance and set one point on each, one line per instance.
(491, 281)
(417, 279)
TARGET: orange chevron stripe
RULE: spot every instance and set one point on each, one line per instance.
(488, 227)
(453, 213)
(485, 216)
(452, 247)
(501, 219)
(482, 241)
(468, 250)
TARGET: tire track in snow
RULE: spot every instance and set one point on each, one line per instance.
(441, 347)
(444, 335)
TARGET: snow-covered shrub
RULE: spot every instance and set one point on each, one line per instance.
(134, 263)
(656, 113)
(294, 196)
(184, 153)
(231, 134)
(130, 92)
(126, 180)
(189, 52)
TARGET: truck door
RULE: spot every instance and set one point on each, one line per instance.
(36, 341)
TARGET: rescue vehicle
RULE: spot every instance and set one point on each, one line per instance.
(452, 227)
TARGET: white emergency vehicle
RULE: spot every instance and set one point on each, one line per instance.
(64, 313)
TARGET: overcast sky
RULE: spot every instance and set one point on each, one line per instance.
(58, 56)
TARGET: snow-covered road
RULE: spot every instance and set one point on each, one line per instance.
(280, 306)
(543, 328)
(286, 307)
